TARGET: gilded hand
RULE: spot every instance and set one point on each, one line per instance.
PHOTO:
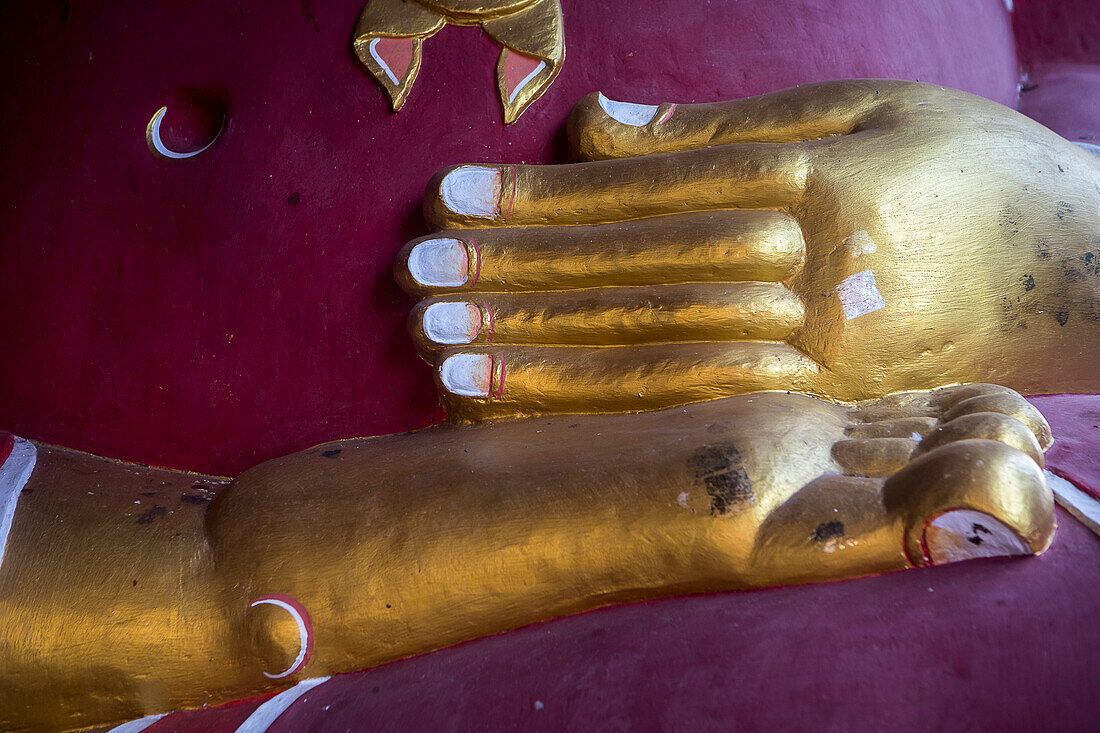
(847, 239)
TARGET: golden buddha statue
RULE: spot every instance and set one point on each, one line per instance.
(730, 340)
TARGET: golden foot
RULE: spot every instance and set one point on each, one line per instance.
(147, 598)
(408, 543)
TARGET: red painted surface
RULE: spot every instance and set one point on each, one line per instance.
(1057, 30)
(210, 720)
(1075, 455)
(1066, 98)
(213, 313)
(1000, 644)
(216, 312)
(6, 444)
(516, 68)
(397, 53)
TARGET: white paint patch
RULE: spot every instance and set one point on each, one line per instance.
(303, 634)
(628, 113)
(965, 534)
(682, 500)
(14, 475)
(452, 323)
(859, 295)
(526, 80)
(468, 375)
(860, 243)
(263, 716)
(916, 436)
(136, 726)
(158, 144)
(1008, 6)
(472, 190)
(440, 263)
(1075, 501)
(1091, 147)
(381, 62)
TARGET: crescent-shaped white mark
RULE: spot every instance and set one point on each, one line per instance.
(303, 634)
(523, 82)
(158, 144)
(385, 67)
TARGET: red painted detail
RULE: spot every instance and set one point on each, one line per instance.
(667, 115)
(397, 53)
(306, 621)
(7, 442)
(516, 68)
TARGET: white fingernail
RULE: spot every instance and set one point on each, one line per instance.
(628, 113)
(452, 323)
(439, 263)
(472, 190)
(468, 375)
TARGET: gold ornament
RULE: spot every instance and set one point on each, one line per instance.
(390, 36)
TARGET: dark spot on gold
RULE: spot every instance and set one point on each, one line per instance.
(151, 514)
(724, 477)
(827, 531)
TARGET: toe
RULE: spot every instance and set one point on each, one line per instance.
(914, 428)
(876, 457)
(988, 426)
(1006, 403)
(976, 475)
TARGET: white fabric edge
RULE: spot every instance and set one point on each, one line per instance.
(1082, 506)
(136, 726)
(14, 475)
(263, 716)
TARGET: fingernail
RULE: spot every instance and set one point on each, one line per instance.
(467, 375)
(628, 113)
(439, 263)
(452, 323)
(472, 190)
